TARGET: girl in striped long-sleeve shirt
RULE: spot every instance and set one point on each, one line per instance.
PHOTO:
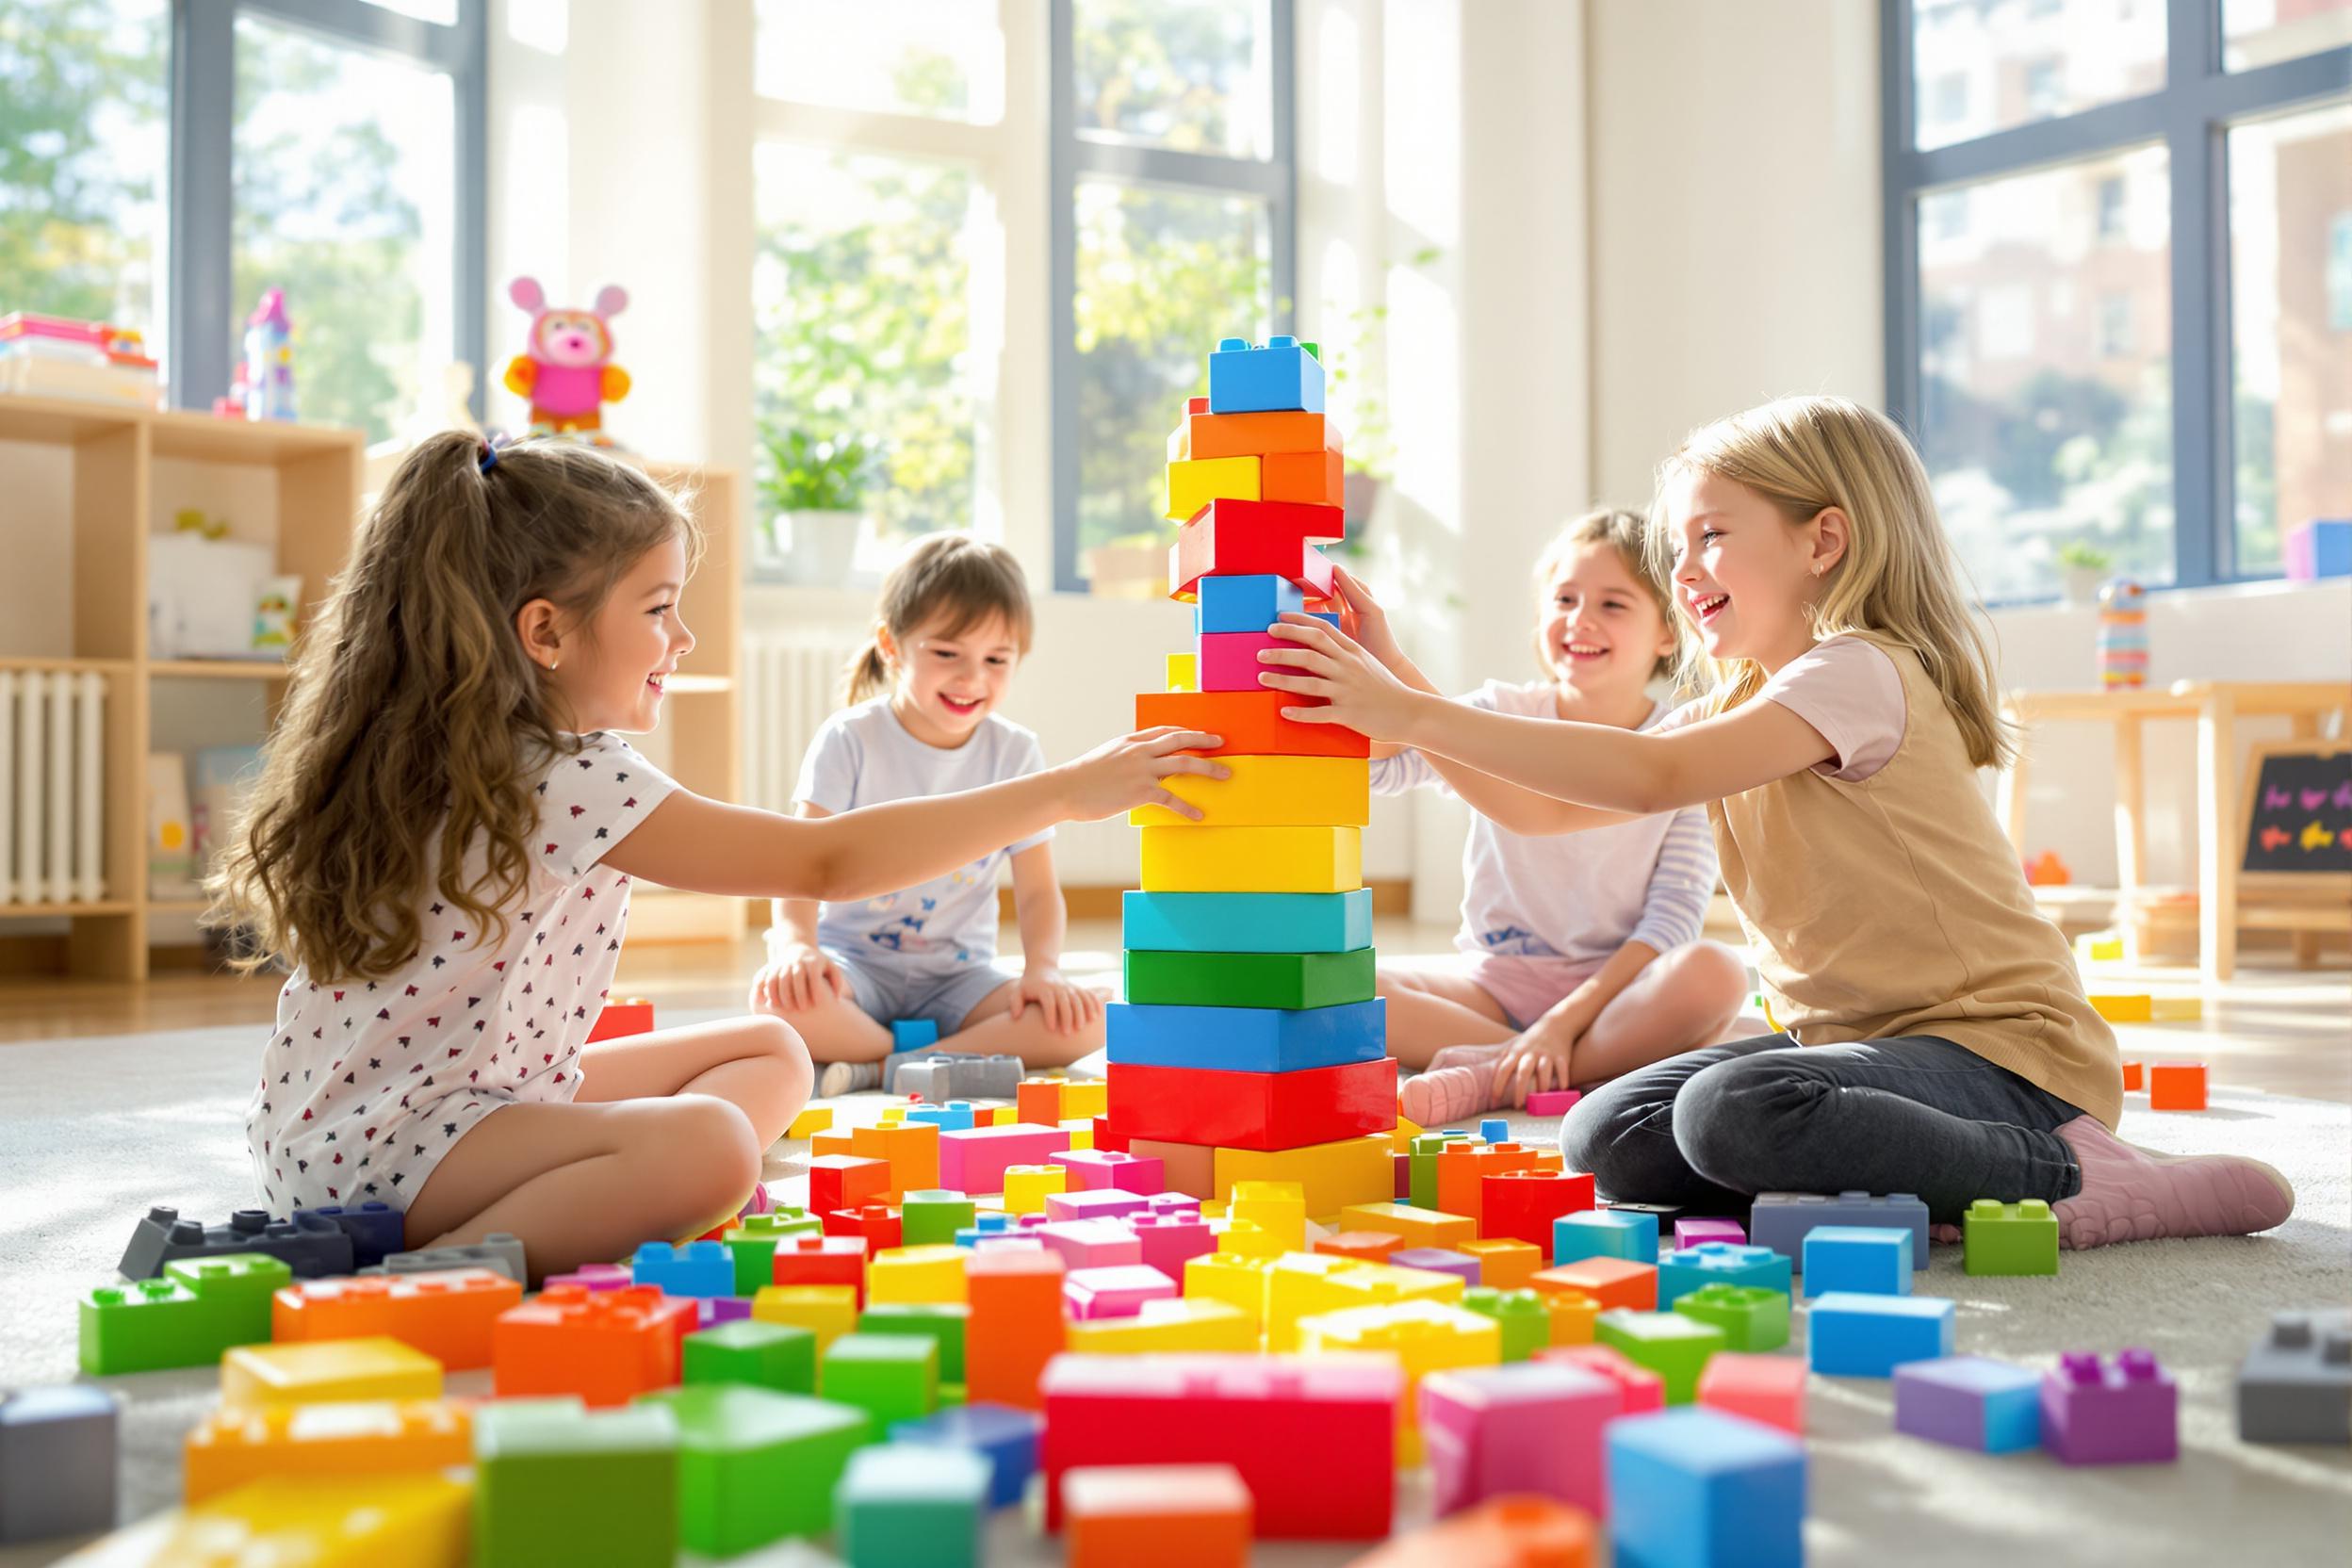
(1579, 956)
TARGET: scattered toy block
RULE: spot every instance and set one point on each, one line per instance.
(1298, 1285)
(976, 1161)
(913, 1034)
(417, 1521)
(604, 1347)
(1696, 1488)
(1573, 1312)
(496, 1251)
(826, 1310)
(712, 1311)
(1866, 1259)
(617, 1020)
(2131, 1077)
(775, 1356)
(1527, 1204)
(1193, 483)
(846, 1182)
(1091, 1243)
(1698, 1233)
(2009, 1238)
(1253, 1110)
(2296, 1386)
(1638, 1389)
(1115, 1290)
(1177, 1324)
(754, 1465)
(1111, 1171)
(203, 1306)
(1167, 1241)
(1438, 1260)
(1673, 1345)
(1027, 1187)
(954, 1117)
(697, 1268)
(57, 1463)
(942, 1077)
(312, 1245)
(1463, 1166)
(1277, 375)
(1278, 1208)
(945, 1324)
(1501, 1530)
(989, 1225)
(1330, 1176)
(232, 1446)
(1016, 1325)
(1006, 1438)
(819, 1260)
(1244, 1038)
(1610, 1282)
(912, 1149)
(2099, 947)
(1970, 1402)
(1505, 1262)
(1521, 1315)
(1553, 1102)
(2176, 1086)
(1414, 1227)
(2124, 1411)
(450, 1317)
(916, 1274)
(901, 1504)
(823, 1144)
(339, 1370)
(1852, 1335)
(1531, 1430)
(1424, 1336)
(375, 1229)
(1603, 1233)
(613, 1276)
(1248, 921)
(1751, 1318)
(1719, 1263)
(1156, 1516)
(889, 1377)
(811, 1122)
(556, 1482)
(876, 1226)
(2123, 1006)
(1770, 1389)
(1780, 1220)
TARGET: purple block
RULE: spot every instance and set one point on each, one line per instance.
(1091, 1243)
(1553, 1102)
(1118, 1290)
(1169, 1239)
(1534, 1426)
(713, 1310)
(2119, 1412)
(1094, 1204)
(592, 1276)
(1174, 1203)
(1694, 1232)
(1111, 1167)
(1438, 1260)
(1970, 1402)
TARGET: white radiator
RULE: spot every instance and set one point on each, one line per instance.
(52, 786)
(792, 679)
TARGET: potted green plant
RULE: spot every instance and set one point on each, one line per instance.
(815, 489)
(2082, 568)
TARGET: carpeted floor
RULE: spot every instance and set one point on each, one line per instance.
(92, 1131)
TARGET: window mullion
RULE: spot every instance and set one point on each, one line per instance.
(2201, 437)
(1062, 192)
(203, 116)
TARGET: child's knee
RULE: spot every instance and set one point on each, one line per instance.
(1730, 1117)
(707, 1152)
(1711, 972)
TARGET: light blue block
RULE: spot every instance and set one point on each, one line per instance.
(1718, 1262)
(1695, 1488)
(987, 1223)
(1852, 1335)
(1246, 1039)
(1247, 603)
(911, 1034)
(1780, 1220)
(1605, 1233)
(1005, 1437)
(1495, 1130)
(1871, 1259)
(954, 1117)
(900, 1505)
(1248, 922)
(1970, 1402)
(1280, 376)
(699, 1268)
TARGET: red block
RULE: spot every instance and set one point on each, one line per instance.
(1236, 538)
(831, 1260)
(1103, 1136)
(1462, 1165)
(875, 1224)
(846, 1181)
(1252, 1110)
(1521, 1204)
(1250, 722)
(1314, 1437)
(1015, 1326)
(2176, 1086)
(608, 1346)
(632, 1017)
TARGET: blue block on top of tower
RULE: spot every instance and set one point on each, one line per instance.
(1282, 374)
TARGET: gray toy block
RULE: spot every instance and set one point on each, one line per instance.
(1780, 1220)
(496, 1251)
(56, 1463)
(2296, 1386)
(313, 1247)
(374, 1229)
(943, 1076)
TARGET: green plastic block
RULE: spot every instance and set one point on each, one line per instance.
(932, 1217)
(555, 1484)
(753, 1242)
(198, 1308)
(1421, 1160)
(1251, 979)
(754, 1465)
(238, 1286)
(2009, 1238)
(911, 1506)
(1752, 1317)
(1674, 1346)
(889, 1377)
(941, 1321)
(776, 1355)
(1525, 1321)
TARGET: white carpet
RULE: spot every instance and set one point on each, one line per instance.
(92, 1131)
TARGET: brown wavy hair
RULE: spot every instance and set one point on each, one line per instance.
(416, 728)
(952, 576)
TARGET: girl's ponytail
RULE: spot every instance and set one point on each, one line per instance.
(868, 672)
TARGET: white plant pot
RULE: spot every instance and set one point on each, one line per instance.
(2081, 585)
(818, 548)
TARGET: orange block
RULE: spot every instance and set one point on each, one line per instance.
(1250, 724)
(1505, 1262)
(1015, 1326)
(232, 1444)
(1524, 1531)
(1202, 435)
(1574, 1314)
(823, 1144)
(912, 1149)
(1156, 1516)
(449, 1313)
(2131, 1077)
(1039, 1100)
(1371, 1246)
(606, 1346)
(1311, 477)
(1610, 1282)
(2176, 1086)
(1461, 1166)
(1187, 1167)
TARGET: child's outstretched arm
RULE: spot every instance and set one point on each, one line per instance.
(1613, 774)
(707, 846)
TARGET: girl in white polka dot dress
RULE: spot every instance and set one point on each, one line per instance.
(440, 850)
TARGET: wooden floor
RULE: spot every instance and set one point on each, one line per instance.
(2275, 1028)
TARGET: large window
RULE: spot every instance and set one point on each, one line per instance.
(2110, 229)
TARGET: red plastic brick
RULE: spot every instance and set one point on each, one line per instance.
(1252, 1110)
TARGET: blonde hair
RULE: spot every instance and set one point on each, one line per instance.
(1626, 533)
(1897, 581)
(415, 725)
(950, 577)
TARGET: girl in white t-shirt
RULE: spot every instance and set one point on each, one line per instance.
(440, 848)
(1579, 957)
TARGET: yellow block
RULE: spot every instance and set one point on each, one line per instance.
(1505, 1262)
(826, 1310)
(2125, 1007)
(1278, 1208)
(1232, 1278)
(310, 1372)
(1187, 1323)
(1247, 1239)
(1081, 1131)
(1184, 672)
(1423, 1337)
(1271, 791)
(809, 1123)
(1299, 1285)
(1193, 483)
(892, 1116)
(1330, 1175)
(1253, 860)
(2175, 1009)
(233, 1446)
(1384, 1284)
(1025, 1186)
(917, 1274)
(418, 1521)
(1407, 1130)
(1087, 1097)
(2099, 947)
(1418, 1227)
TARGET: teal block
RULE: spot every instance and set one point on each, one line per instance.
(911, 1504)
(1629, 1234)
(753, 1465)
(779, 1356)
(1719, 1263)
(1248, 922)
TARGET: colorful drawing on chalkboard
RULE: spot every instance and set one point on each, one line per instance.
(2299, 810)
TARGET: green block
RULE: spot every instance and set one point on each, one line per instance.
(932, 1217)
(555, 1485)
(754, 1465)
(238, 1286)
(1525, 1320)
(764, 1355)
(911, 1506)
(753, 1243)
(1752, 1317)
(890, 1377)
(1421, 1160)
(1251, 979)
(197, 1309)
(2009, 1238)
(1674, 1346)
(941, 1321)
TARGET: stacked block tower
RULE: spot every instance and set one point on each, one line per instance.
(1251, 1046)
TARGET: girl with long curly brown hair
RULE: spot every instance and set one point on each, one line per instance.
(441, 847)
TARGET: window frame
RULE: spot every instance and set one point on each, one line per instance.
(199, 296)
(1072, 156)
(2191, 116)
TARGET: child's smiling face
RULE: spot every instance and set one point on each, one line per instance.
(1600, 628)
(948, 681)
(612, 677)
(1743, 572)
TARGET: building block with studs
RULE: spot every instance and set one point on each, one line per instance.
(1115, 1290)
(556, 1482)
(1193, 483)
(375, 1229)
(1235, 538)
(875, 1225)
(889, 1377)
(1698, 1233)
(1438, 1260)
(1696, 1488)
(57, 1463)
(1505, 1262)
(911, 1148)
(1526, 1204)
(775, 1356)
(696, 1268)
(1156, 1516)
(826, 1310)
(1522, 1430)
(1610, 1282)
(1780, 1220)
(1027, 1187)
(1202, 433)
(496, 1251)
(1970, 1402)
(313, 1245)
(1423, 1337)
(974, 1161)
(330, 1370)
(1751, 1318)
(755, 1465)
(450, 1317)
(1253, 1110)
(1089, 1243)
(232, 1446)
(1159, 1327)
(1261, 1039)
(1414, 1227)
(1278, 1208)
(2295, 1385)
(1603, 1233)
(1522, 1316)
(1247, 922)
(1006, 1438)
(201, 1307)
(1277, 375)
(604, 1347)
(1112, 1169)
(1167, 1241)
(2009, 1238)
(2099, 1410)
(1850, 1335)
(1463, 1166)
(397, 1521)
(1270, 792)
(905, 1503)
(957, 1076)
(1675, 1346)
(601, 1275)
(1873, 1260)
(1719, 1263)
(1770, 1389)
(819, 1260)
(1016, 1325)
(754, 1240)
(2176, 1086)
(1638, 1388)
(916, 1274)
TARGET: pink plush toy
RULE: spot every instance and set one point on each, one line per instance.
(566, 375)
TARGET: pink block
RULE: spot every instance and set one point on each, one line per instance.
(1174, 1203)
(1770, 1389)
(1007, 1241)
(1169, 1239)
(1228, 660)
(1091, 1168)
(1094, 1204)
(1553, 1102)
(1495, 1430)
(1696, 1233)
(594, 1276)
(1404, 1176)
(1091, 1243)
(1118, 1290)
(973, 1159)
(1642, 1389)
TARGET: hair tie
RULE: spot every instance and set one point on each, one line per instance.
(489, 454)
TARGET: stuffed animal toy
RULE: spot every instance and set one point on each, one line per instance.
(567, 374)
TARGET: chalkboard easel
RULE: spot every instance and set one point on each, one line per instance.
(2295, 832)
